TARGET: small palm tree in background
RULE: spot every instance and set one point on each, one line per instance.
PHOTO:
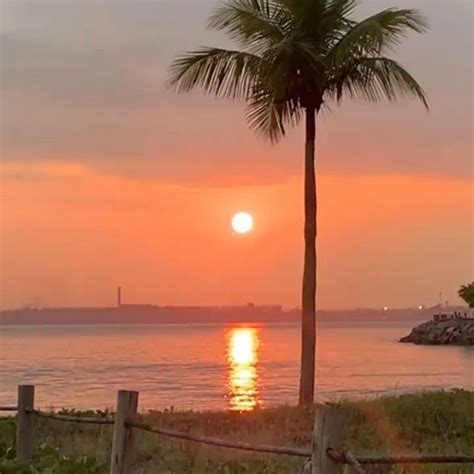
(294, 58)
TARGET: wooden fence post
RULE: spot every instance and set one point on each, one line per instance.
(328, 433)
(122, 448)
(24, 422)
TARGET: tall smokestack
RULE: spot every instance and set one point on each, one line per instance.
(119, 296)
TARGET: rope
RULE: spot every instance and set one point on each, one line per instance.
(302, 452)
(8, 408)
(345, 457)
(72, 419)
(352, 461)
(416, 459)
(341, 457)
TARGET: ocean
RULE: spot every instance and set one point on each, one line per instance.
(213, 367)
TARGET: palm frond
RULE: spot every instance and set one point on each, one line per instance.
(334, 23)
(253, 23)
(269, 117)
(304, 10)
(320, 22)
(380, 32)
(340, 8)
(219, 72)
(376, 79)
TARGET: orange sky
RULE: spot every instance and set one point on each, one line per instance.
(384, 240)
(108, 178)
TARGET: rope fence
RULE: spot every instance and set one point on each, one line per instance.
(259, 448)
(344, 457)
(323, 455)
(72, 419)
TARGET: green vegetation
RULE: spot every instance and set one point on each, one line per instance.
(294, 59)
(46, 459)
(466, 292)
(430, 423)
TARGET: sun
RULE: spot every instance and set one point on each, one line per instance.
(242, 222)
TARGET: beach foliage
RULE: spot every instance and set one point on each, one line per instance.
(466, 292)
(425, 423)
(46, 458)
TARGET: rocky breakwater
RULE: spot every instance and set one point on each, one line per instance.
(451, 331)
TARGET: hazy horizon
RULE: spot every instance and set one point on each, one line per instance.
(37, 304)
(108, 177)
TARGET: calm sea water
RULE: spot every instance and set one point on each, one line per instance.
(218, 366)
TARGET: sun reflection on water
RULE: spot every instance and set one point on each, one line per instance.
(242, 360)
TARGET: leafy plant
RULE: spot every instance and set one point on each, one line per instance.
(466, 292)
(46, 459)
(106, 413)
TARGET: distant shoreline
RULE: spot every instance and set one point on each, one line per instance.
(148, 314)
(191, 324)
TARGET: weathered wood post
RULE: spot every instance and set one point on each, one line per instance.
(122, 448)
(24, 422)
(328, 433)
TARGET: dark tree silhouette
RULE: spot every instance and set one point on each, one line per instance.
(466, 292)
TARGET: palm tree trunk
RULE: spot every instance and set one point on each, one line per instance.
(308, 316)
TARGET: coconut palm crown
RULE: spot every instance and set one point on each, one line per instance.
(298, 54)
(294, 57)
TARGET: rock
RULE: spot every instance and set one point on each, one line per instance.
(450, 331)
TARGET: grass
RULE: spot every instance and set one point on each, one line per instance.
(429, 423)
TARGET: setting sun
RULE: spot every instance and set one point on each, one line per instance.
(242, 222)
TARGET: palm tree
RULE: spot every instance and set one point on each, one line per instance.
(295, 57)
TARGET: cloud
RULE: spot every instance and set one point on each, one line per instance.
(84, 82)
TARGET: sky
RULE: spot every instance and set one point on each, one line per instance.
(108, 177)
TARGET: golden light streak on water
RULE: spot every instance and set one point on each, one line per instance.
(242, 361)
